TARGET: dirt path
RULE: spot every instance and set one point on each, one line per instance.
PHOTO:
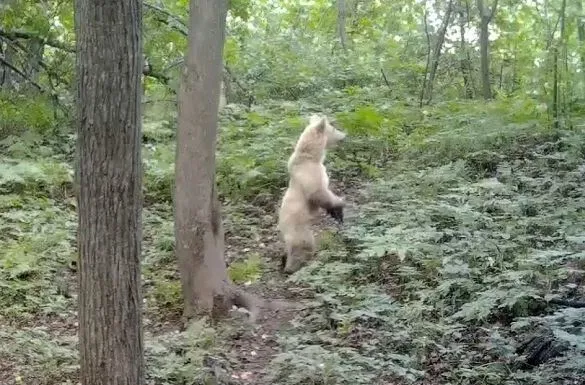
(256, 345)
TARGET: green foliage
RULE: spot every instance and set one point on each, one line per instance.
(447, 250)
(159, 169)
(22, 113)
(248, 270)
(47, 177)
(180, 358)
(439, 259)
(328, 240)
(168, 295)
(37, 241)
(40, 358)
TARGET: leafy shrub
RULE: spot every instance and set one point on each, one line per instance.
(20, 113)
(46, 177)
(188, 357)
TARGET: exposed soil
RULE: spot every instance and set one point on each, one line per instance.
(256, 346)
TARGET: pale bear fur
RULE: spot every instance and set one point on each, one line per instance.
(307, 191)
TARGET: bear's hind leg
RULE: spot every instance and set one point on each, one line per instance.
(298, 253)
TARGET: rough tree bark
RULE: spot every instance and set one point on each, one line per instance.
(485, 17)
(109, 177)
(198, 228)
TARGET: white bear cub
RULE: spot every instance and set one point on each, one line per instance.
(308, 190)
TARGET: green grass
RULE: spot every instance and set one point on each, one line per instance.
(248, 270)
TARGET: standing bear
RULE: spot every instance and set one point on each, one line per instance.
(308, 190)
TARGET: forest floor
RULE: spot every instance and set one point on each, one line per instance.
(254, 347)
(440, 274)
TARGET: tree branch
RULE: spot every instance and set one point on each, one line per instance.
(42, 64)
(182, 30)
(12, 35)
(385, 78)
(493, 11)
(480, 7)
(147, 70)
(21, 74)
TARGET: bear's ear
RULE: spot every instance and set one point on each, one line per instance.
(321, 125)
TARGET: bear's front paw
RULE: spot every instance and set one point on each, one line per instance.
(336, 213)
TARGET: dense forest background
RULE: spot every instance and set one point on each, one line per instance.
(462, 255)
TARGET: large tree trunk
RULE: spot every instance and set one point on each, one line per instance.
(109, 174)
(485, 17)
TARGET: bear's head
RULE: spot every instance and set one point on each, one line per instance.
(324, 126)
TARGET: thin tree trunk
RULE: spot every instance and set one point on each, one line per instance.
(354, 14)
(3, 70)
(557, 108)
(555, 101)
(198, 227)
(428, 65)
(36, 50)
(486, 16)
(581, 36)
(501, 76)
(437, 51)
(341, 19)
(109, 176)
(199, 236)
(10, 79)
(564, 95)
(465, 61)
(515, 82)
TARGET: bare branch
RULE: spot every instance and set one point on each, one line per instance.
(385, 78)
(52, 74)
(21, 74)
(12, 35)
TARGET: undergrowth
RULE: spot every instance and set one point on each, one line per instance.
(445, 271)
(470, 219)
